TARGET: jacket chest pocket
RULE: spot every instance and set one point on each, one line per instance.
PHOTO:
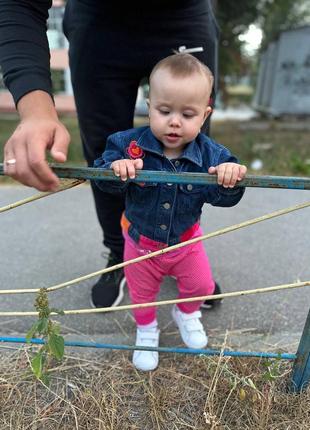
(190, 198)
(142, 192)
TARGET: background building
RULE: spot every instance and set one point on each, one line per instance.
(283, 85)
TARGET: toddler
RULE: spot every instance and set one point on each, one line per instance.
(158, 215)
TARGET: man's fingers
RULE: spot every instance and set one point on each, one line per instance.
(38, 165)
(24, 173)
(29, 144)
(15, 163)
(59, 149)
(9, 162)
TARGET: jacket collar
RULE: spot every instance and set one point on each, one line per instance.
(148, 142)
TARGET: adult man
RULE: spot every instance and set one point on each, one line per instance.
(113, 45)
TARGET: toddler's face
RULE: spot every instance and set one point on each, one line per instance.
(177, 108)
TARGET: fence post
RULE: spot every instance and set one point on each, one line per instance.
(301, 369)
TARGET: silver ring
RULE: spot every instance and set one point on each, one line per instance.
(11, 162)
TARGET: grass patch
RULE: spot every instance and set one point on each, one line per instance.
(104, 391)
(284, 151)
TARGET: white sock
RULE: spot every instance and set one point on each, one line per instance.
(149, 326)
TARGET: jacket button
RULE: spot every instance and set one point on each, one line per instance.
(177, 163)
(163, 227)
(167, 205)
(189, 187)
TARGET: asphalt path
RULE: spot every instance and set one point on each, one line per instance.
(58, 238)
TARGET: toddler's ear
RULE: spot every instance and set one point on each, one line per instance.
(207, 113)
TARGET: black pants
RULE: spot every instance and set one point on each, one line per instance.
(109, 55)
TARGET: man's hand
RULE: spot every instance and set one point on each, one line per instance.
(124, 168)
(228, 174)
(39, 131)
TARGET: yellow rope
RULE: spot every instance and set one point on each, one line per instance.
(162, 251)
(165, 302)
(64, 185)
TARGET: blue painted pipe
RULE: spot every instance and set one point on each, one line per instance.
(287, 182)
(283, 356)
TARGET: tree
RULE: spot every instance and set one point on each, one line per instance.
(277, 16)
(233, 19)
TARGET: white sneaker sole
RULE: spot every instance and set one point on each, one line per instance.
(145, 365)
(120, 296)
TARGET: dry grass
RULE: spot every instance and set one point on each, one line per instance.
(103, 391)
(283, 146)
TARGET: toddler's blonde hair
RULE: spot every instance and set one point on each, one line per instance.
(182, 65)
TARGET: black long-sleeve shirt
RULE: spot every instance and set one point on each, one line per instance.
(24, 50)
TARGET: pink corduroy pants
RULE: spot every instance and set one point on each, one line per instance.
(189, 265)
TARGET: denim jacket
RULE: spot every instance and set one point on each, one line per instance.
(163, 211)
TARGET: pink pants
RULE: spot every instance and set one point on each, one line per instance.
(190, 266)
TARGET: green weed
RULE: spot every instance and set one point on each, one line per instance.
(49, 332)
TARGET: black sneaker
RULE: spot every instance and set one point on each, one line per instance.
(208, 304)
(109, 290)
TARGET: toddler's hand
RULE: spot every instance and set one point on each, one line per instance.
(124, 168)
(228, 173)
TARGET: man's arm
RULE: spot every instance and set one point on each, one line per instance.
(24, 51)
(24, 59)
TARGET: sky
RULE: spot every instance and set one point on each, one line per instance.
(252, 38)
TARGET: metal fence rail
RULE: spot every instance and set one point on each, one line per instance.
(91, 173)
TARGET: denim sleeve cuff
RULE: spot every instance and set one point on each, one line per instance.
(230, 191)
(112, 187)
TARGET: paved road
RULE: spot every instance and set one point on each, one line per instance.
(58, 238)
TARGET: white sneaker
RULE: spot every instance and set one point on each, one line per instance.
(191, 329)
(146, 360)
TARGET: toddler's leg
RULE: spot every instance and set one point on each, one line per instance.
(194, 279)
(143, 280)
